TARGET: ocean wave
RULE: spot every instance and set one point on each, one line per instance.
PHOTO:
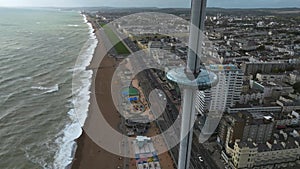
(74, 69)
(84, 19)
(70, 25)
(82, 78)
(81, 83)
(40, 161)
(40, 74)
(66, 143)
(52, 89)
(3, 100)
(12, 80)
(25, 78)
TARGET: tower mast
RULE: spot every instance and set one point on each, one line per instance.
(192, 78)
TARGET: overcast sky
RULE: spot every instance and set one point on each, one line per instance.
(152, 3)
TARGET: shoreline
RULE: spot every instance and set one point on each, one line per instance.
(87, 153)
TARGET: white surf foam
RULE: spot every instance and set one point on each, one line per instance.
(84, 19)
(67, 143)
(82, 77)
(70, 25)
(52, 89)
(81, 83)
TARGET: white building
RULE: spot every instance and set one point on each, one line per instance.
(280, 154)
(272, 89)
(226, 93)
(290, 119)
(294, 77)
(251, 95)
(288, 104)
(271, 77)
(145, 154)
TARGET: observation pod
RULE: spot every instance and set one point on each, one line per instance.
(205, 79)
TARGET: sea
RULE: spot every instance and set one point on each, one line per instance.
(42, 51)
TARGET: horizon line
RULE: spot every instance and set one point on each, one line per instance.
(289, 7)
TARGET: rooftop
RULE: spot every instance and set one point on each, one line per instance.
(228, 67)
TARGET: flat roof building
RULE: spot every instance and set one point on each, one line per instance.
(279, 154)
(145, 155)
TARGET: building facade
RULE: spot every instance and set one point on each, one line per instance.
(251, 95)
(271, 77)
(244, 126)
(225, 94)
(278, 155)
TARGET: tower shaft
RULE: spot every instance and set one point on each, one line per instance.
(198, 15)
(193, 65)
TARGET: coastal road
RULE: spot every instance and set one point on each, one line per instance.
(167, 119)
(170, 116)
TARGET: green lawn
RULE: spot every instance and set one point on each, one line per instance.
(114, 39)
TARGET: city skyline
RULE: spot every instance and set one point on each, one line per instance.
(154, 3)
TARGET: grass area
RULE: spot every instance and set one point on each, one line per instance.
(114, 39)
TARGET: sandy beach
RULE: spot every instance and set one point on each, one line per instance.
(88, 154)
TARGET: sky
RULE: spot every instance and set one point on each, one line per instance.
(150, 3)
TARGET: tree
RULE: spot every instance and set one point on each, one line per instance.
(261, 48)
(296, 87)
